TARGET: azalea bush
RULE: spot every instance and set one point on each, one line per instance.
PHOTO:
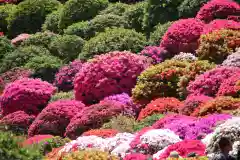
(36, 139)
(230, 87)
(185, 56)
(232, 59)
(104, 133)
(19, 39)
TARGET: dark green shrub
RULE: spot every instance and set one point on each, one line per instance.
(11, 150)
(134, 16)
(80, 10)
(51, 22)
(117, 39)
(115, 8)
(5, 46)
(189, 8)
(160, 30)
(62, 96)
(5, 10)
(29, 16)
(44, 66)
(20, 56)
(147, 121)
(66, 47)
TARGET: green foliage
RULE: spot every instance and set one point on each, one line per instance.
(62, 96)
(116, 39)
(51, 22)
(20, 56)
(121, 123)
(5, 47)
(80, 10)
(5, 10)
(160, 30)
(149, 121)
(29, 16)
(66, 47)
(115, 8)
(134, 15)
(10, 149)
(189, 8)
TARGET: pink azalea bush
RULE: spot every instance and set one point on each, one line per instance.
(209, 82)
(220, 24)
(20, 38)
(108, 74)
(137, 156)
(65, 76)
(218, 9)
(234, 18)
(29, 95)
(182, 36)
(55, 117)
(93, 117)
(36, 139)
(18, 120)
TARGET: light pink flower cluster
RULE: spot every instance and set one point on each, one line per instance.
(108, 74)
(20, 38)
(29, 95)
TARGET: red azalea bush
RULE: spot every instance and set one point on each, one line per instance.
(55, 117)
(217, 105)
(160, 106)
(218, 9)
(29, 95)
(108, 74)
(182, 36)
(18, 121)
(104, 133)
(1, 33)
(36, 139)
(137, 156)
(65, 76)
(192, 102)
(184, 148)
(234, 18)
(10, 1)
(92, 117)
(220, 24)
(20, 38)
(209, 82)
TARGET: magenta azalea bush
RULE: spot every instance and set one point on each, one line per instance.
(209, 82)
(65, 76)
(182, 36)
(29, 95)
(93, 117)
(218, 9)
(108, 74)
(55, 118)
(137, 156)
(229, 86)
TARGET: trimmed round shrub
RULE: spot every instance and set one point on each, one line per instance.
(116, 39)
(185, 57)
(117, 71)
(62, 96)
(5, 47)
(189, 8)
(216, 46)
(104, 133)
(126, 1)
(80, 10)
(233, 60)
(160, 106)
(51, 21)
(158, 33)
(215, 9)
(184, 148)
(66, 47)
(182, 36)
(90, 154)
(219, 24)
(158, 54)
(92, 117)
(5, 10)
(21, 56)
(193, 102)
(121, 123)
(29, 16)
(18, 122)
(234, 18)
(230, 86)
(19, 39)
(65, 76)
(217, 105)
(55, 118)
(208, 83)
(36, 139)
(115, 8)
(148, 121)
(32, 94)
(11, 150)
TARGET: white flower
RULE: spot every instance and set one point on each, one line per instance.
(236, 148)
(185, 56)
(122, 149)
